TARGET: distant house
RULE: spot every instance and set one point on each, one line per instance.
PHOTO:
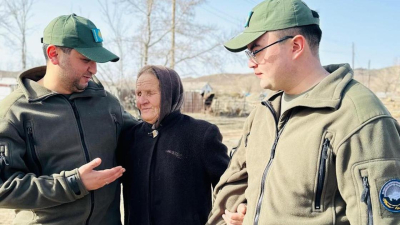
(196, 94)
(8, 82)
(200, 87)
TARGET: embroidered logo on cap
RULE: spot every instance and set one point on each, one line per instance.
(97, 35)
(390, 195)
(248, 19)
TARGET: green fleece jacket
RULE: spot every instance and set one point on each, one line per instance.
(333, 157)
(44, 138)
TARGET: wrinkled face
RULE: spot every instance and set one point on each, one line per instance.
(75, 70)
(274, 65)
(148, 97)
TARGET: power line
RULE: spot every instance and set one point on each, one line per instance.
(250, 1)
(226, 14)
(222, 17)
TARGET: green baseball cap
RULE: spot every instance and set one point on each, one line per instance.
(272, 15)
(79, 33)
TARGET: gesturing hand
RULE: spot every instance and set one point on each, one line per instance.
(95, 179)
(235, 218)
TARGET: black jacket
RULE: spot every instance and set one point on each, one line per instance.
(168, 178)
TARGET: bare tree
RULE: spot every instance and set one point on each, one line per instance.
(194, 43)
(152, 18)
(15, 16)
(168, 35)
(387, 79)
(114, 20)
(115, 75)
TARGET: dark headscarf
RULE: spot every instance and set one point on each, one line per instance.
(171, 90)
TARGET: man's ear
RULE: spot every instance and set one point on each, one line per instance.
(52, 54)
(299, 44)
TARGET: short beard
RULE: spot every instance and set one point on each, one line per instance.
(73, 86)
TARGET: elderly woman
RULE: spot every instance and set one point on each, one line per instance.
(171, 159)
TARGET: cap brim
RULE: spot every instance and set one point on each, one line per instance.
(98, 54)
(240, 42)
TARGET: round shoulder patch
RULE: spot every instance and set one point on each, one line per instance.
(390, 195)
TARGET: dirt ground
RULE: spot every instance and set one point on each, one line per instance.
(230, 129)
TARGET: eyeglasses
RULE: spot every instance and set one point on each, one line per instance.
(252, 55)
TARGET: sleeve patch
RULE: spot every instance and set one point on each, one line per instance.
(389, 195)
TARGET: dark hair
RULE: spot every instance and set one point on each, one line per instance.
(64, 49)
(312, 33)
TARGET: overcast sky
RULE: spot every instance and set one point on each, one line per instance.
(373, 26)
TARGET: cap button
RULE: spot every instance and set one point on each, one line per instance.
(73, 14)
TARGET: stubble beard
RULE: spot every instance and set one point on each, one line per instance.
(69, 77)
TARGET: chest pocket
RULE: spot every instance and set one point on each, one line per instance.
(325, 165)
(31, 156)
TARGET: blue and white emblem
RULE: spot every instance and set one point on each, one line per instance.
(248, 19)
(97, 35)
(390, 195)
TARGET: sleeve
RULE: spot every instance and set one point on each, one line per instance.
(230, 190)
(215, 157)
(128, 120)
(22, 189)
(368, 172)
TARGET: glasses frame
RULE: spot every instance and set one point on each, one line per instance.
(252, 55)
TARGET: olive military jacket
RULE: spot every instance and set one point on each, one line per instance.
(333, 157)
(44, 138)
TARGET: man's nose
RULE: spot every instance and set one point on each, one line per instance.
(93, 67)
(251, 64)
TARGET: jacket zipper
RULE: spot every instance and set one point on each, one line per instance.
(116, 126)
(3, 160)
(260, 198)
(77, 117)
(321, 173)
(32, 148)
(366, 198)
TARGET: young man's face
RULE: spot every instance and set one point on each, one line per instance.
(148, 97)
(274, 64)
(76, 70)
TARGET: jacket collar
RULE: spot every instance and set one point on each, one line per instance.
(326, 94)
(34, 92)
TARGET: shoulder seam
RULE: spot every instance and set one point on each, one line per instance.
(361, 126)
(9, 108)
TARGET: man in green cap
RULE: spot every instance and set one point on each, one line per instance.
(59, 132)
(321, 150)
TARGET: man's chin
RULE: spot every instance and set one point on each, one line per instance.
(80, 88)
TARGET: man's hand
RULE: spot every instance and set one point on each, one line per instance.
(235, 218)
(93, 179)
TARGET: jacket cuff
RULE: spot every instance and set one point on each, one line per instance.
(75, 183)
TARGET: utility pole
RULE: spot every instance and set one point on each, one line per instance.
(172, 65)
(353, 57)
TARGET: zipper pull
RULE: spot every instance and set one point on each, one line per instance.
(273, 148)
(3, 155)
(365, 193)
(115, 120)
(325, 149)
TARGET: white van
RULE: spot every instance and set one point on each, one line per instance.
(7, 85)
